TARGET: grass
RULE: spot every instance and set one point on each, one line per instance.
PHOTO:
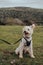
(12, 34)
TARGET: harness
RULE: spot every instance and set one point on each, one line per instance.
(27, 42)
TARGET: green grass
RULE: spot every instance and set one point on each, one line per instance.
(12, 34)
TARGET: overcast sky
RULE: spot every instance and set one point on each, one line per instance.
(22, 3)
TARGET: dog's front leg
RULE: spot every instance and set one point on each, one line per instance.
(21, 52)
(31, 51)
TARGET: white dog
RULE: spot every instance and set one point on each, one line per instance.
(26, 42)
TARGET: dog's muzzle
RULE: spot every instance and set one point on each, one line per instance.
(26, 32)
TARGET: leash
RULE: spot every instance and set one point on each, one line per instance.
(17, 41)
(5, 41)
(28, 43)
(9, 42)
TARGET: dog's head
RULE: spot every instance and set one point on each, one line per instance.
(28, 30)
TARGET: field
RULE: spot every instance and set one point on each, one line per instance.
(12, 34)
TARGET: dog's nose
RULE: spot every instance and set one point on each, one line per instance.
(24, 31)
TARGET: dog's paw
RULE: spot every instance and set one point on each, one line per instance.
(32, 56)
(16, 53)
(21, 57)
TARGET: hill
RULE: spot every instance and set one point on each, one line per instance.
(25, 14)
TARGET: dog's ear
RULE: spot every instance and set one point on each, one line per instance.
(33, 26)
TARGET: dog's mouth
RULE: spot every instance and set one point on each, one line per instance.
(26, 32)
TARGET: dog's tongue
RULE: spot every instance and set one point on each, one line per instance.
(26, 33)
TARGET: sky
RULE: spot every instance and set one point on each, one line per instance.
(22, 3)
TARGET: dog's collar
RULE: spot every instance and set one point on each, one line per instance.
(26, 37)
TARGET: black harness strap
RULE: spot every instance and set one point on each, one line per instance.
(27, 42)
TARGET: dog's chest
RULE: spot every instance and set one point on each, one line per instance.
(28, 42)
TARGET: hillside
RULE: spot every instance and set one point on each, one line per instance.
(25, 14)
